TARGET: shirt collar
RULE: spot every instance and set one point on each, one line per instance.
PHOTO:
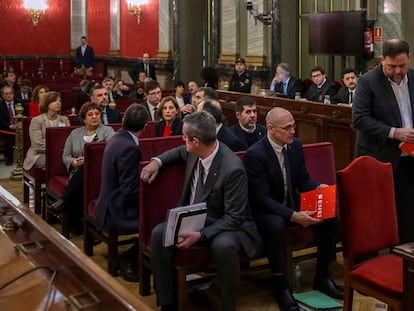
(207, 161)
(134, 138)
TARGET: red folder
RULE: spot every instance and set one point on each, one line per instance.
(407, 147)
(322, 200)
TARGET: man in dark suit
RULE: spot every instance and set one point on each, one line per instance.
(382, 113)
(7, 120)
(85, 58)
(276, 172)
(247, 129)
(10, 80)
(321, 86)
(117, 206)
(229, 228)
(346, 93)
(224, 134)
(145, 66)
(152, 91)
(99, 96)
(284, 84)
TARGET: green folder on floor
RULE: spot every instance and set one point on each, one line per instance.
(315, 300)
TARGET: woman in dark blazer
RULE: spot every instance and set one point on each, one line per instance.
(169, 113)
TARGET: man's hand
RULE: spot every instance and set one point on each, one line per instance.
(404, 134)
(188, 239)
(150, 171)
(188, 108)
(304, 218)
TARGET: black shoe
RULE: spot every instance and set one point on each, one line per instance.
(57, 207)
(129, 270)
(328, 286)
(286, 301)
(170, 307)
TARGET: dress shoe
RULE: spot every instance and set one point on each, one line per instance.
(170, 307)
(328, 286)
(129, 270)
(57, 207)
(286, 301)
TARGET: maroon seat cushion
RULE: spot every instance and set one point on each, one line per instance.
(57, 184)
(383, 273)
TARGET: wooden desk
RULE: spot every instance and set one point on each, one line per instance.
(316, 122)
(408, 275)
(78, 278)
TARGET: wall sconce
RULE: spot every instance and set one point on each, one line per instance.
(35, 8)
(266, 19)
(134, 8)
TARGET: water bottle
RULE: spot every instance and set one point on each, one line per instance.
(297, 278)
(297, 96)
(327, 99)
(262, 93)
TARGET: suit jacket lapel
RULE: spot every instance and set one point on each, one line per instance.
(410, 76)
(390, 93)
(213, 174)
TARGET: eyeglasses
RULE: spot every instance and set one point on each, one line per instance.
(316, 75)
(286, 128)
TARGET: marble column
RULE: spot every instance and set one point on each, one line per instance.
(256, 35)
(229, 33)
(114, 20)
(78, 25)
(164, 34)
(390, 19)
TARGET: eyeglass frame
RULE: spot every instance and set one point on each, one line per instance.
(286, 128)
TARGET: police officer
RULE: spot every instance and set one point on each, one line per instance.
(240, 80)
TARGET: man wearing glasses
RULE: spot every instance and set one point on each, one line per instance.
(153, 95)
(321, 86)
(276, 173)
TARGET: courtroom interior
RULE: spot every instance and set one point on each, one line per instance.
(115, 112)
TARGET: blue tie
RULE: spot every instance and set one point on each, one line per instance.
(285, 85)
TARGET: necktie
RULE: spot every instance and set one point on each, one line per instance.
(147, 70)
(200, 183)
(351, 97)
(285, 85)
(11, 114)
(104, 117)
(155, 113)
(291, 201)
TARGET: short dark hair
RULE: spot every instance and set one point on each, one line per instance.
(87, 106)
(348, 70)
(394, 47)
(202, 125)
(135, 118)
(26, 82)
(179, 83)
(83, 37)
(215, 111)
(244, 101)
(317, 68)
(209, 93)
(151, 85)
(95, 87)
(48, 98)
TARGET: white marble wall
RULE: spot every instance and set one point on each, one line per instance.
(78, 22)
(164, 22)
(390, 19)
(114, 14)
(229, 25)
(256, 31)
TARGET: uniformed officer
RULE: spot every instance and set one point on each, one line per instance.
(240, 80)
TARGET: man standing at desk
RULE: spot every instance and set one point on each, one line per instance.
(85, 58)
(382, 113)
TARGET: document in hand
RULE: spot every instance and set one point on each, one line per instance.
(408, 148)
(181, 219)
(322, 200)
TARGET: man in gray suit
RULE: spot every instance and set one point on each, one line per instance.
(229, 229)
(382, 113)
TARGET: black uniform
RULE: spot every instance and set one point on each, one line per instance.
(242, 83)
